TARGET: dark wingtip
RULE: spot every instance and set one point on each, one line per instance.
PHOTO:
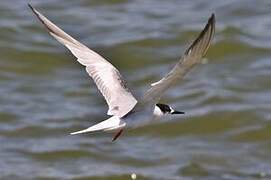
(31, 7)
(38, 16)
(212, 16)
(209, 26)
(212, 19)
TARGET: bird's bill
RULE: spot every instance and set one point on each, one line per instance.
(177, 112)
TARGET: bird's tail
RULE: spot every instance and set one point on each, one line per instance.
(113, 123)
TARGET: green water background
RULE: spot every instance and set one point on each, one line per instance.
(46, 94)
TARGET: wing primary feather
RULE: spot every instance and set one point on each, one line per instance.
(51, 27)
(211, 22)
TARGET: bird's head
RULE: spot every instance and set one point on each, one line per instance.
(166, 109)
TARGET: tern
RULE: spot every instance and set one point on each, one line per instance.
(123, 108)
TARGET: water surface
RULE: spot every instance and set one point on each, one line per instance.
(46, 94)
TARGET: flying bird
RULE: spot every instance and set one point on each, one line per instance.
(125, 110)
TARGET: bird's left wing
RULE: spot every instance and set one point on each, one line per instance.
(107, 78)
(191, 57)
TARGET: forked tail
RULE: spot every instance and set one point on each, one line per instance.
(113, 123)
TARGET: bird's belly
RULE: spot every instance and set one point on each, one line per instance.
(141, 118)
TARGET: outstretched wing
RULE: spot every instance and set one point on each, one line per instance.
(107, 78)
(192, 56)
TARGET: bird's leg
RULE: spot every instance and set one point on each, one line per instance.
(117, 135)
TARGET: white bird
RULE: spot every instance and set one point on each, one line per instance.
(124, 109)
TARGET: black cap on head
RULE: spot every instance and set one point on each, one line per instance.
(167, 109)
(164, 108)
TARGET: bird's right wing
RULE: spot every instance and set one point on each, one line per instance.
(191, 57)
(107, 78)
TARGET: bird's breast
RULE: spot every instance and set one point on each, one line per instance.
(139, 118)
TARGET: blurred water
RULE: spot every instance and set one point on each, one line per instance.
(46, 94)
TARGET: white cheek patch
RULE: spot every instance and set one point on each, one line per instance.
(171, 110)
(157, 111)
